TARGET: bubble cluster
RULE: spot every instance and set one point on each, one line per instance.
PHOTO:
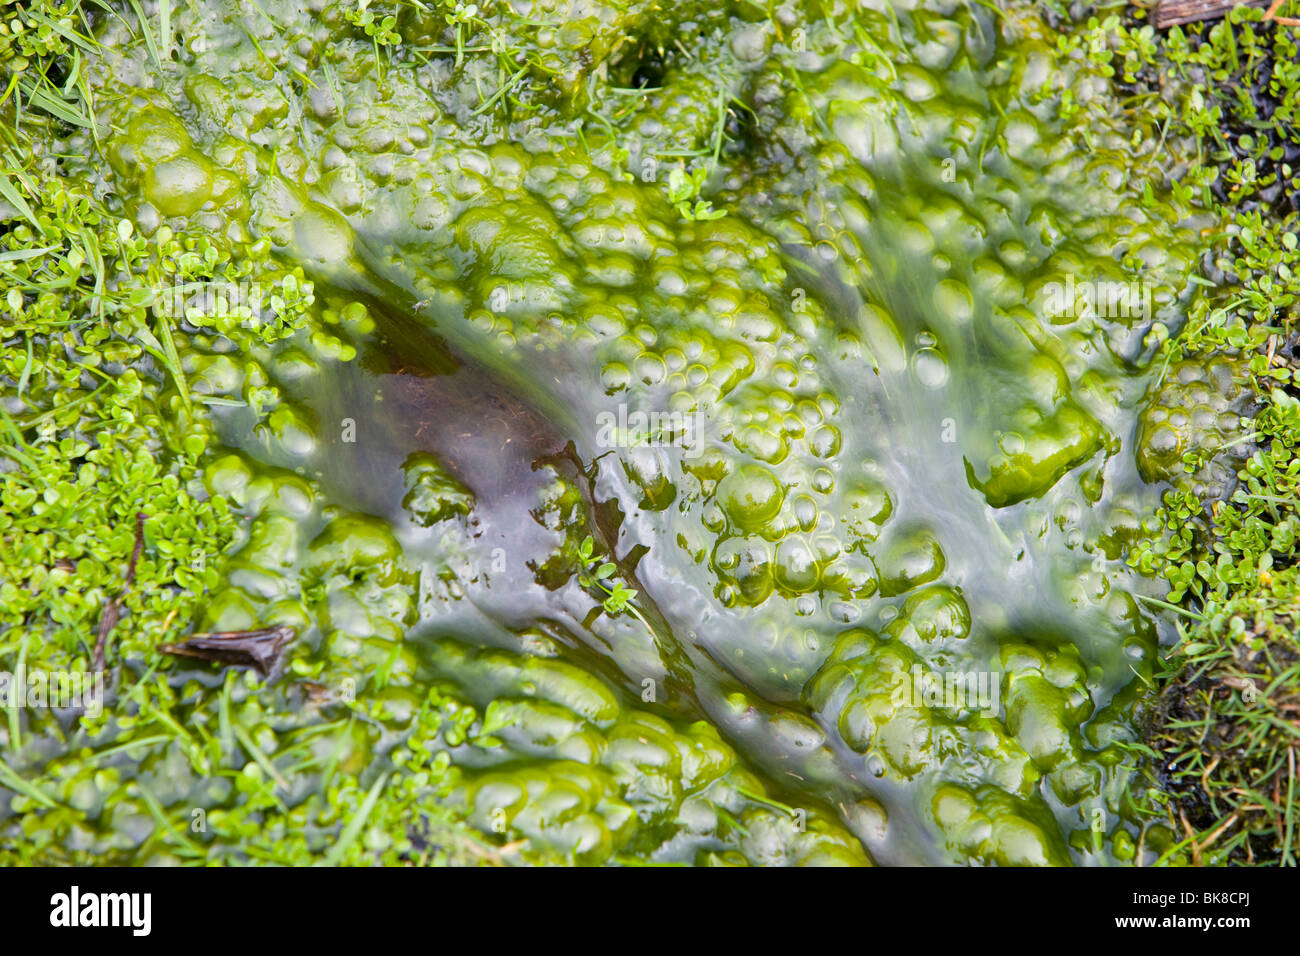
(900, 413)
(1199, 410)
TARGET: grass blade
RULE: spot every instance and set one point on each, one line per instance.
(19, 255)
(165, 25)
(18, 785)
(148, 34)
(12, 196)
(351, 831)
(55, 106)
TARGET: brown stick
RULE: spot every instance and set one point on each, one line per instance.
(1171, 12)
(1209, 840)
(113, 609)
(1285, 21)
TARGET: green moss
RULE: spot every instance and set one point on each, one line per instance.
(1219, 426)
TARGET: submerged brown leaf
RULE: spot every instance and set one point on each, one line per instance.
(259, 648)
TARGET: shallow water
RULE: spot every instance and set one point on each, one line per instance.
(910, 454)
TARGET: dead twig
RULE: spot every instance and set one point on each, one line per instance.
(1173, 12)
(113, 609)
(1191, 838)
(1209, 840)
(1285, 21)
(1205, 774)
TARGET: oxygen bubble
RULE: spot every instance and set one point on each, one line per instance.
(322, 235)
(953, 301)
(796, 567)
(929, 368)
(180, 187)
(751, 496)
(911, 557)
(1011, 444)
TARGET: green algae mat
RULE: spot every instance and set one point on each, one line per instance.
(618, 432)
